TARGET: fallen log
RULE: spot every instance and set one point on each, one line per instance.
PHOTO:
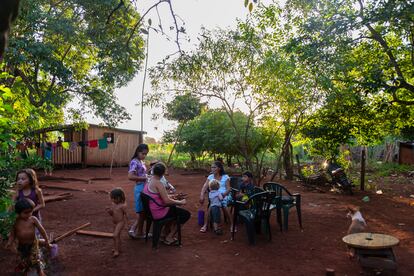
(95, 233)
(71, 232)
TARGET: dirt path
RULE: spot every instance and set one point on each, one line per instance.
(295, 252)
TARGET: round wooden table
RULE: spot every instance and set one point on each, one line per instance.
(373, 250)
(370, 241)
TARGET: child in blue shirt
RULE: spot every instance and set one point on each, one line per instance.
(216, 199)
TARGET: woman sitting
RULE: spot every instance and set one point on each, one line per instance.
(157, 191)
(218, 173)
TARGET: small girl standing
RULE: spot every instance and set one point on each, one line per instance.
(138, 173)
(28, 188)
(119, 216)
(215, 198)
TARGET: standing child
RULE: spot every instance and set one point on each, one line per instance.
(138, 173)
(24, 232)
(119, 217)
(28, 187)
(215, 198)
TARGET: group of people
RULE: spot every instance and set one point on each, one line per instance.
(29, 232)
(219, 194)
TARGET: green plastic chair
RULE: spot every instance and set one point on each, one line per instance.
(284, 201)
(255, 213)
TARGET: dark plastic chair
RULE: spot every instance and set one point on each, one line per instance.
(158, 223)
(256, 211)
(284, 200)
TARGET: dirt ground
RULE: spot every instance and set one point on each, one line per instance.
(295, 252)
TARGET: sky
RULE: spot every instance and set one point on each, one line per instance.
(196, 14)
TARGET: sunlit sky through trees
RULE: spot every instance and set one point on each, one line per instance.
(196, 14)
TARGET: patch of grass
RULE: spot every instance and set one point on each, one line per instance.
(387, 169)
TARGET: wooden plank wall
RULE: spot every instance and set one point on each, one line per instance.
(124, 149)
(61, 156)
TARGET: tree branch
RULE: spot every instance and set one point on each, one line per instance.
(121, 3)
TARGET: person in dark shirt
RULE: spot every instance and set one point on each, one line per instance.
(246, 187)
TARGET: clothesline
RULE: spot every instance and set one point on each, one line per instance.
(71, 146)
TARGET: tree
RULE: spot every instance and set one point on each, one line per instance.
(67, 49)
(366, 45)
(212, 132)
(182, 109)
(220, 68)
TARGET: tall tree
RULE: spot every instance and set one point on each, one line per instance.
(182, 109)
(67, 49)
(221, 68)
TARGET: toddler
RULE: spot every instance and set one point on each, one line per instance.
(24, 232)
(119, 217)
(215, 198)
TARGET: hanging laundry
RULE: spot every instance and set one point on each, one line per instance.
(48, 154)
(73, 146)
(93, 143)
(103, 143)
(65, 145)
(83, 143)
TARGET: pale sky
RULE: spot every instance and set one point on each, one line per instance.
(196, 14)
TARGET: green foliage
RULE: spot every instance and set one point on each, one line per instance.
(388, 169)
(183, 108)
(7, 218)
(70, 48)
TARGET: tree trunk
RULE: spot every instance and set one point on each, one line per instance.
(287, 154)
(175, 144)
(363, 157)
(228, 160)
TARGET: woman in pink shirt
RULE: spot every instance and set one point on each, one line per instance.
(157, 191)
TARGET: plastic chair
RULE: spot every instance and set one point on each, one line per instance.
(158, 223)
(284, 200)
(256, 211)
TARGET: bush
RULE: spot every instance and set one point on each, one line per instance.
(387, 169)
(10, 164)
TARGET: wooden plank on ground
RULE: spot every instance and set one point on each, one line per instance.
(60, 188)
(71, 232)
(95, 233)
(52, 198)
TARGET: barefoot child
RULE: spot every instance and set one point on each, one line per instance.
(24, 232)
(28, 187)
(119, 217)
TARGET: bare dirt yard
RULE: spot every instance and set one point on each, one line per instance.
(295, 252)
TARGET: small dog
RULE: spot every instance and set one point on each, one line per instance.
(358, 225)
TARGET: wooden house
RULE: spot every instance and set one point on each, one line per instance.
(120, 145)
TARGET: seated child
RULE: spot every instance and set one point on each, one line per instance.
(119, 217)
(246, 187)
(215, 198)
(24, 232)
